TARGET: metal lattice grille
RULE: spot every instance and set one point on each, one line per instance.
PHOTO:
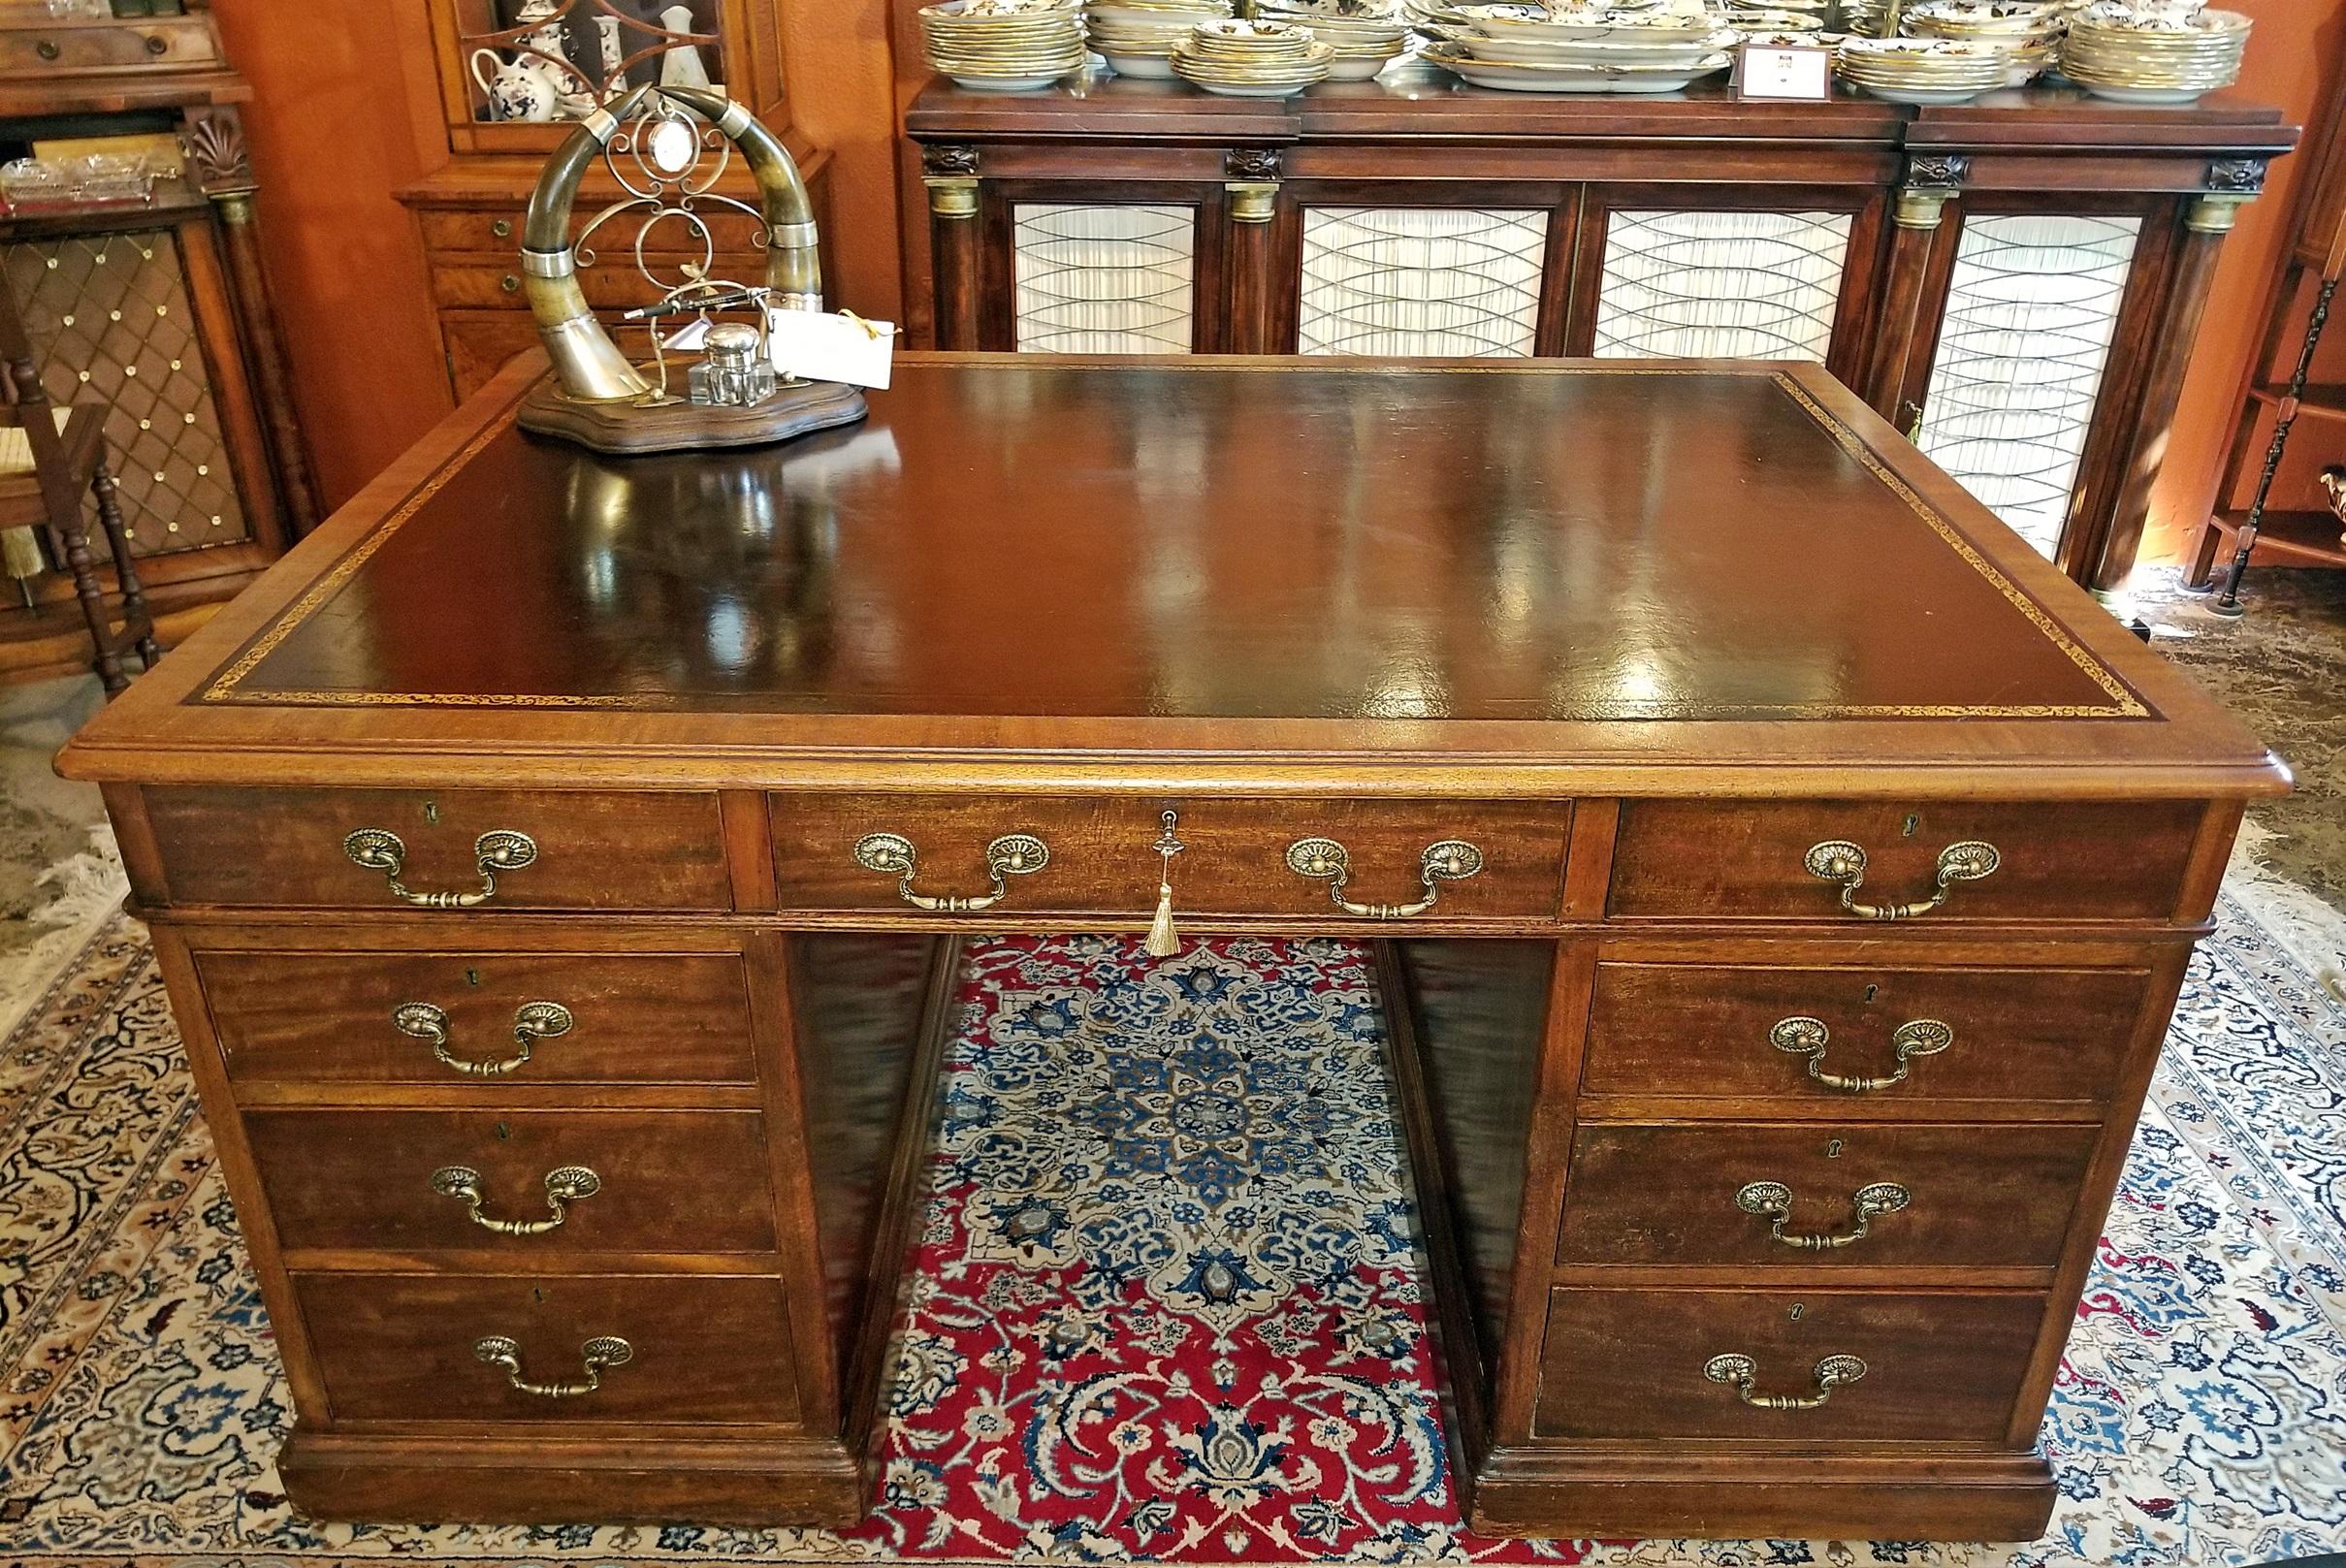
(2031, 312)
(1422, 281)
(1722, 285)
(1104, 280)
(108, 319)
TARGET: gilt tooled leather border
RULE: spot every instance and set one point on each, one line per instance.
(2123, 704)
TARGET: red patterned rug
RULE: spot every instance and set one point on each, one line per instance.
(1168, 1300)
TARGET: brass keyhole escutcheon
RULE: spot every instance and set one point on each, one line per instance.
(505, 1129)
(1832, 1149)
(1871, 992)
(1914, 825)
(1797, 1309)
(472, 976)
(431, 813)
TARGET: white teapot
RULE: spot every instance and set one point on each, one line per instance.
(523, 89)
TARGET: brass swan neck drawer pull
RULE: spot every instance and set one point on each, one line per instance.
(599, 1352)
(1452, 860)
(380, 849)
(1833, 1372)
(1809, 1036)
(1836, 860)
(1772, 1200)
(533, 1021)
(564, 1186)
(891, 854)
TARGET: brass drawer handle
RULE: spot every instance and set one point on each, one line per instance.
(503, 228)
(891, 854)
(380, 849)
(1836, 860)
(1452, 860)
(1772, 1200)
(1833, 1372)
(1809, 1036)
(533, 1021)
(564, 1186)
(604, 1350)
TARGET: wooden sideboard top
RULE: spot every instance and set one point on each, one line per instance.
(1681, 577)
(1417, 100)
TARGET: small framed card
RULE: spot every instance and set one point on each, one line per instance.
(1784, 73)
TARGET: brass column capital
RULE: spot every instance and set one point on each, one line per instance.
(2216, 211)
(1253, 201)
(950, 172)
(1921, 207)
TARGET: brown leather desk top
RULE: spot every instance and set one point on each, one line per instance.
(1079, 568)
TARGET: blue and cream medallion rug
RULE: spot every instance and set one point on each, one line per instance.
(1077, 1397)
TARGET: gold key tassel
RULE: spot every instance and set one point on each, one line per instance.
(1163, 939)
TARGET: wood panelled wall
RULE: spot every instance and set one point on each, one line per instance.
(335, 131)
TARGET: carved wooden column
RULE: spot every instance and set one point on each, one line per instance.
(1253, 190)
(223, 171)
(950, 173)
(1901, 348)
(2232, 183)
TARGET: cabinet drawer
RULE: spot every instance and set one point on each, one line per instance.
(1632, 1365)
(312, 1017)
(1991, 1197)
(664, 1181)
(703, 1349)
(162, 41)
(615, 284)
(612, 850)
(1708, 1032)
(497, 231)
(1700, 860)
(1234, 863)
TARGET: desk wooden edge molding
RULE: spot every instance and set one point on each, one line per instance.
(1947, 1449)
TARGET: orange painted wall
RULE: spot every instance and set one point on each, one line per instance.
(333, 134)
(335, 131)
(2294, 59)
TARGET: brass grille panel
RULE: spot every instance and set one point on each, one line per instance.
(110, 320)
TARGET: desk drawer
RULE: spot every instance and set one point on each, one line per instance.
(1938, 1367)
(509, 1018)
(160, 42)
(585, 850)
(1235, 862)
(1832, 1040)
(1935, 1196)
(373, 1180)
(1706, 860)
(498, 232)
(702, 1350)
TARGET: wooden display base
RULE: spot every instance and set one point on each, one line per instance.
(633, 428)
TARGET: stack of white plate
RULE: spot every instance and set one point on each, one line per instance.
(1138, 36)
(1366, 34)
(1777, 16)
(2028, 31)
(1251, 59)
(1525, 48)
(2150, 52)
(1921, 70)
(1004, 45)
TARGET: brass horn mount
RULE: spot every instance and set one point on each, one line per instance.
(668, 147)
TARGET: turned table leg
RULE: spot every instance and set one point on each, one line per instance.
(137, 624)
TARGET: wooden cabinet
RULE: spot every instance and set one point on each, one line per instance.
(2018, 283)
(161, 312)
(470, 211)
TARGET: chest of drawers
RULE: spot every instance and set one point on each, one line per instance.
(564, 957)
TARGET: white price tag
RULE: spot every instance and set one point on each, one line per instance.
(833, 347)
(1803, 74)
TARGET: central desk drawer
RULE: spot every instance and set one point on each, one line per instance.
(1943, 1367)
(495, 1017)
(701, 1350)
(377, 1180)
(1944, 1196)
(1861, 1038)
(485, 850)
(1751, 860)
(1096, 855)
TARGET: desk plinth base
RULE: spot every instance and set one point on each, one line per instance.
(1918, 1497)
(476, 1480)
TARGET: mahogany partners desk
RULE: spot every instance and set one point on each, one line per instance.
(1782, 877)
